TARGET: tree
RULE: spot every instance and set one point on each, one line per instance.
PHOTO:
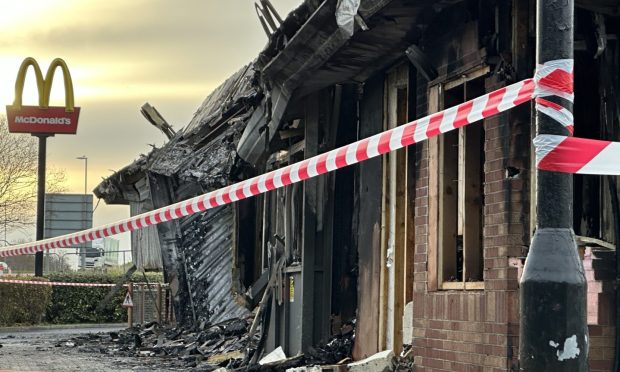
(18, 180)
(24, 264)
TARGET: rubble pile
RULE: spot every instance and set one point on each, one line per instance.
(404, 362)
(223, 347)
(337, 350)
(220, 345)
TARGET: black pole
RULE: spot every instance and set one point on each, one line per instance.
(38, 258)
(554, 331)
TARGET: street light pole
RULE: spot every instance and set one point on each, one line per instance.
(83, 157)
(5, 223)
(553, 327)
(84, 211)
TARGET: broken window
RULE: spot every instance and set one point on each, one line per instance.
(457, 172)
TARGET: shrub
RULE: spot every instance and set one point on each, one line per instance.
(23, 303)
(79, 304)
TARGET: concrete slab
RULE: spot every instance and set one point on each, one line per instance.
(380, 362)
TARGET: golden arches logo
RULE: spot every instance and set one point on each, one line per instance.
(44, 86)
(43, 119)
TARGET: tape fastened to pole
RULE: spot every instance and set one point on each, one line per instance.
(555, 78)
(577, 155)
(556, 112)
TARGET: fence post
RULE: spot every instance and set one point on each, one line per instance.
(170, 307)
(143, 304)
(159, 303)
(167, 303)
(130, 308)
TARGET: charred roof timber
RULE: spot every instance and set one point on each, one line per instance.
(154, 117)
(421, 62)
(266, 14)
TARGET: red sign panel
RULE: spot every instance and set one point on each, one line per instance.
(32, 119)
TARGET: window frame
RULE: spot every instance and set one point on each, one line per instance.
(436, 179)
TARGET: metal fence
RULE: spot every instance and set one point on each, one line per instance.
(151, 302)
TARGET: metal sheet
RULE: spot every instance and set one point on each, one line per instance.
(258, 133)
(207, 249)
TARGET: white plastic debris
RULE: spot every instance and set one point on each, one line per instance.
(380, 362)
(345, 15)
(275, 356)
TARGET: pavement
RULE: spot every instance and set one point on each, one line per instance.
(43, 349)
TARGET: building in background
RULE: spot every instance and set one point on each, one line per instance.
(69, 213)
(110, 248)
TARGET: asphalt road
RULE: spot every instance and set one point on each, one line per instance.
(45, 349)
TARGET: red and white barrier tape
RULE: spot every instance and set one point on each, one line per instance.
(577, 155)
(68, 284)
(556, 112)
(554, 77)
(16, 281)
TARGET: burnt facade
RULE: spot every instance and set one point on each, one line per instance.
(423, 247)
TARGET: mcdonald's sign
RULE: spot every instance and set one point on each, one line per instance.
(43, 118)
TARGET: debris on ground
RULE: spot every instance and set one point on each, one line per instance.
(380, 362)
(220, 347)
(275, 356)
(338, 350)
(404, 362)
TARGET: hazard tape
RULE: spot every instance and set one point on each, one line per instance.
(15, 281)
(577, 155)
(556, 112)
(555, 78)
(551, 78)
(67, 284)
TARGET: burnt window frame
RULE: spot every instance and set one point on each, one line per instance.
(444, 273)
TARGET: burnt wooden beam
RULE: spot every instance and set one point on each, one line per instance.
(309, 238)
(368, 205)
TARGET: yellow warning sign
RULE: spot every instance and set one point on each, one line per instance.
(291, 289)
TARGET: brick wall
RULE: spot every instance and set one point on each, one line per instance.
(477, 330)
(600, 274)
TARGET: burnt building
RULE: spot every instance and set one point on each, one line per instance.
(422, 247)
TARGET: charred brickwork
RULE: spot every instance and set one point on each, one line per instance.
(459, 329)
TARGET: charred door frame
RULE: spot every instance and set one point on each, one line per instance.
(317, 224)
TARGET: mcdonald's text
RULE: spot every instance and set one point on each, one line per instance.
(32, 119)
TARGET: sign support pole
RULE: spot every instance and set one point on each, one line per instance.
(38, 258)
(553, 327)
(130, 308)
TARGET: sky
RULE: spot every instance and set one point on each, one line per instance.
(122, 54)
